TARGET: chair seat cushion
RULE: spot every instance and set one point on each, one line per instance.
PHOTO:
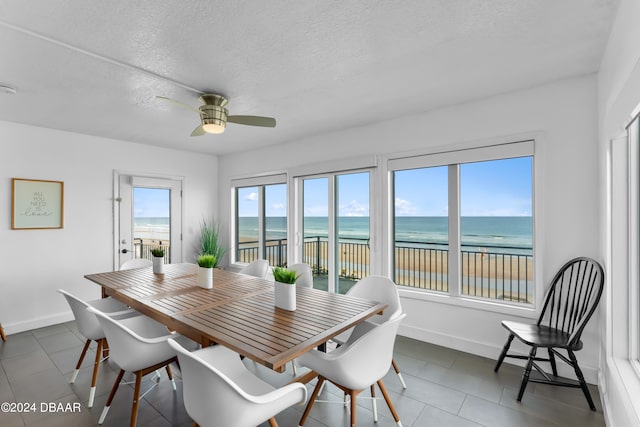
(540, 336)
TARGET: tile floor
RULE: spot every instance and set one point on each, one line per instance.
(445, 388)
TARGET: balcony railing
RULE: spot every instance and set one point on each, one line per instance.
(142, 249)
(494, 272)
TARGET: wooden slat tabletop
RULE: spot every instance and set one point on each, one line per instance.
(238, 312)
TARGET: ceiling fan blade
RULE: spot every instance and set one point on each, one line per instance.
(199, 131)
(179, 104)
(268, 122)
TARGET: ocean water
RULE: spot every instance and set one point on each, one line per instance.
(490, 231)
(156, 228)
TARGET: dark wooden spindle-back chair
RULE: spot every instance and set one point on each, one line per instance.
(569, 304)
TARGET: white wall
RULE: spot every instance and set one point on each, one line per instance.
(34, 263)
(619, 94)
(563, 116)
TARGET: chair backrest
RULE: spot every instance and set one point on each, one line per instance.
(134, 342)
(86, 322)
(212, 398)
(305, 279)
(366, 357)
(380, 289)
(257, 268)
(573, 296)
(136, 263)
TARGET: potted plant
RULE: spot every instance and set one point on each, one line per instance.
(206, 262)
(210, 241)
(285, 288)
(158, 260)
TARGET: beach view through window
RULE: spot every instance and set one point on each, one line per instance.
(151, 221)
(495, 228)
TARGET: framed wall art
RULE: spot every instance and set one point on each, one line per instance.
(36, 204)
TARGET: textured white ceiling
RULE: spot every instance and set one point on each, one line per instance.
(95, 67)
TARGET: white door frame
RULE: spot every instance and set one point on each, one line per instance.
(178, 255)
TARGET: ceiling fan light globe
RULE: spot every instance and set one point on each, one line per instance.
(214, 127)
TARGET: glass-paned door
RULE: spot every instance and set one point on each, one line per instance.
(150, 216)
(275, 224)
(336, 229)
(247, 227)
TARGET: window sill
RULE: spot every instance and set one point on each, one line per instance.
(470, 302)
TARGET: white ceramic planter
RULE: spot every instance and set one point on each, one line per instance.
(158, 264)
(205, 277)
(285, 296)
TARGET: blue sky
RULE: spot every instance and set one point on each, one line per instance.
(491, 188)
(150, 202)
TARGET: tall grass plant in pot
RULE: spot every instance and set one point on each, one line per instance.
(210, 241)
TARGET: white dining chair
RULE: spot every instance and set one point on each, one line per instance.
(360, 363)
(380, 289)
(257, 268)
(90, 328)
(219, 391)
(305, 275)
(136, 263)
(138, 345)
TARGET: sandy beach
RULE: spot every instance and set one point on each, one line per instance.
(488, 275)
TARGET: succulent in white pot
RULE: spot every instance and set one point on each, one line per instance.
(158, 260)
(206, 263)
(285, 288)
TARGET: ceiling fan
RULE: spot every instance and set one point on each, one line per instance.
(214, 116)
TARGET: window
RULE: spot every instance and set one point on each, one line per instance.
(463, 223)
(261, 221)
(336, 228)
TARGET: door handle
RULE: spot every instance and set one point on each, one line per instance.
(124, 251)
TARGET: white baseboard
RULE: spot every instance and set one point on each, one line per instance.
(41, 322)
(486, 350)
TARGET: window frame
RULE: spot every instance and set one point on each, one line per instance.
(457, 155)
(260, 182)
(332, 217)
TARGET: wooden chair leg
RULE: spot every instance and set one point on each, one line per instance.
(374, 406)
(398, 373)
(583, 383)
(4, 337)
(136, 400)
(94, 377)
(504, 352)
(111, 396)
(527, 372)
(552, 360)
(82, 354)
(273, 422)
(312, 399)
(387, 399)
(353, 396)
(170, 375)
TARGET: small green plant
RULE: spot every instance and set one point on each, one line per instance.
(157, 252)
(284, 275)
(207, 261)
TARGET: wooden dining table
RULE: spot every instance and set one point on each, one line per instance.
(238, 312)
